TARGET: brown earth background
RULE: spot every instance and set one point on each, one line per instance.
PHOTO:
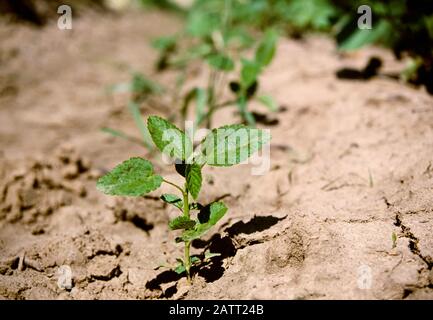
(351, 164)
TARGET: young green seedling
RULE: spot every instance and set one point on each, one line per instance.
(225, 146)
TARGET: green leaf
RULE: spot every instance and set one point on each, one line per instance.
(172, 199)
(134, 109)
(201, 23)
(200, 110)
(362, 37)
(187, 100)
(221, 62)
(193, 179)
(230, 145)
(199, 51)
(133, 177)
(249, 72)
(208, 217)
(246, 115)
(181, 222)
(266, 50)
(144, 85)
(164, 43)
(268, 102)
(169, 139)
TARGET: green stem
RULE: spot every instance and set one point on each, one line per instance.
(174, 185)
(187, 260)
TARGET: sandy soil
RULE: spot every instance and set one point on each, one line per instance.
(352, 163)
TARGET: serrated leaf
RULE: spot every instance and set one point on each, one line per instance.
(230, 145)
(193, 179)
(268, 102)
(266, 50)
(181, 222)
(249, 72)
(208, 217)
(172, 199)
(221, 62)
(133, 177)
(168, 138)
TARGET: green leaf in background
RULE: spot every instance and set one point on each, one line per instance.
(268, 102)
(134, 109)
(200, 50)
(200, 95)
(193, 179)
(246, 115)
(208, 217)
(200, 109)
(230, 145)
(249, 72)
(164, 43)
(362, 37)
(221, 62)
(267, 47)
(169, 139)
(311, 14)
(133, 177)
(172, 199)
(187, 100)
(239, 37)
(181, 222)
(202, 23)
(144, 85)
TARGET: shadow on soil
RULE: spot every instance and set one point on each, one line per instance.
(213, 269)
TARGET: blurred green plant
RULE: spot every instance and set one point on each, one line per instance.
(402, 25)
(213, 36)
(141, 89)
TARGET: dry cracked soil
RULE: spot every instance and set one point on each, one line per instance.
(351, 165)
